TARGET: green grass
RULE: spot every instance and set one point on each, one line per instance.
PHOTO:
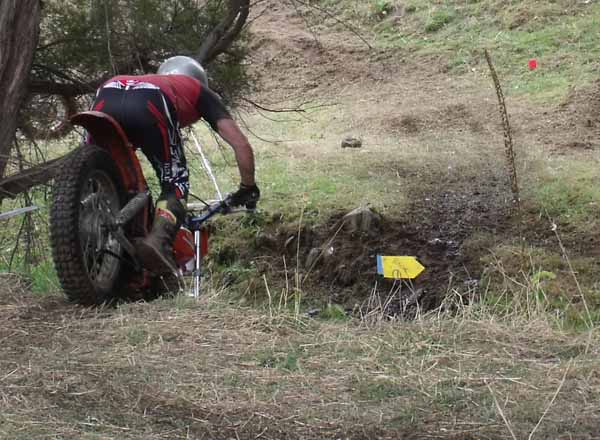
(535, 282)
(571, 195)
(43, 277)
(562, 35)
(439, 19)
(284, 361)
(31, 261)
(379, 390)
(308, 171)
(40, 277)
(333, 312)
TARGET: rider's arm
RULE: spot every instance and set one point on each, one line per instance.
(230, 131)
(214, 112)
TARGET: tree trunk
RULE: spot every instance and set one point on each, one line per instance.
(19, 29)
(19, 25)
(221, 37)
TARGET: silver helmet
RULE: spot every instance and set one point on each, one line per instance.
(180, 65)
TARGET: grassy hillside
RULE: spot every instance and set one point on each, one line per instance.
(561, 35)
(496, 339)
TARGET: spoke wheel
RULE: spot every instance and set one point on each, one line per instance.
(101, 251)
(87, 195)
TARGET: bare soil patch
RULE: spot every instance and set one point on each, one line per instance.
(300, 54)
(410, 101)
(456, 116)
(578, 121)
(434, 228)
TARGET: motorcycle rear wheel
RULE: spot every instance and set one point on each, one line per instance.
(87, 195)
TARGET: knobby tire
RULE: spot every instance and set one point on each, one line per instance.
(65, 234)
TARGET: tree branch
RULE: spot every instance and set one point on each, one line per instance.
(336, 19)
(39, 86)
(221, 37)
(74, 87)
(18, 183)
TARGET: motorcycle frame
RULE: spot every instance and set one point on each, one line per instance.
(105, 132)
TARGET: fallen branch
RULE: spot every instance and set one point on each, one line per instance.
(18, 183)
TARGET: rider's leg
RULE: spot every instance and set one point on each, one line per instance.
(156, 250)
(150, 122)
(166, 154)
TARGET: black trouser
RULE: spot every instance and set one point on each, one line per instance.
(148, 118)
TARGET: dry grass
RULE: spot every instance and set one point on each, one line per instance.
(179, 369)
(210, 370)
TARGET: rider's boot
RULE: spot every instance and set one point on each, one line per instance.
(156, 250)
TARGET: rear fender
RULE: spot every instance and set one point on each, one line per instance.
(106, 132)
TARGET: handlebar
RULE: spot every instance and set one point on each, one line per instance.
(205, 211)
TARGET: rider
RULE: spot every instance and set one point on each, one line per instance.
(152, 109)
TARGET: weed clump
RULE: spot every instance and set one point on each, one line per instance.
(382, 9)
(438, 20)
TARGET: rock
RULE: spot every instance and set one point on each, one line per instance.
(264, 240)
(312, 313)
(313, 256)
(471, 283)
(361, 219)
(351, 142)
(436, 242)
(345, 275)
(318, 254)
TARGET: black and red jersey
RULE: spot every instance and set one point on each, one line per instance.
(190, 99)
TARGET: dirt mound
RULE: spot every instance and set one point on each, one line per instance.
(456, 116)
(299, 52)
(335, 259)
(579, 118)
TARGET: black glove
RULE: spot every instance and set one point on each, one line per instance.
(245, 196)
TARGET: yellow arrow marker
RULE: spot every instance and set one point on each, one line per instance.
(399, 267)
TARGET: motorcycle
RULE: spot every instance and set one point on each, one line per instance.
(101, 207)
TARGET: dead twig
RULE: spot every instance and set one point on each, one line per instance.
(508, 140)
(589, 320)
(499, 408)
(562, 382)
(337, 20)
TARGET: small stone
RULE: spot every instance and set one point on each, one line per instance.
(436, 242)
(471, 283)
(318, 255)
(289, 241)
(313, 312)
(313, 257)
(264, 240)
(361, 219)
(351, 142)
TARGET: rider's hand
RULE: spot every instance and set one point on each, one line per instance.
(245, 196)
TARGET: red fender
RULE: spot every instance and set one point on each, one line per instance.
(107, 133)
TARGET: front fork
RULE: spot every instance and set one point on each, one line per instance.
(197, 274)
